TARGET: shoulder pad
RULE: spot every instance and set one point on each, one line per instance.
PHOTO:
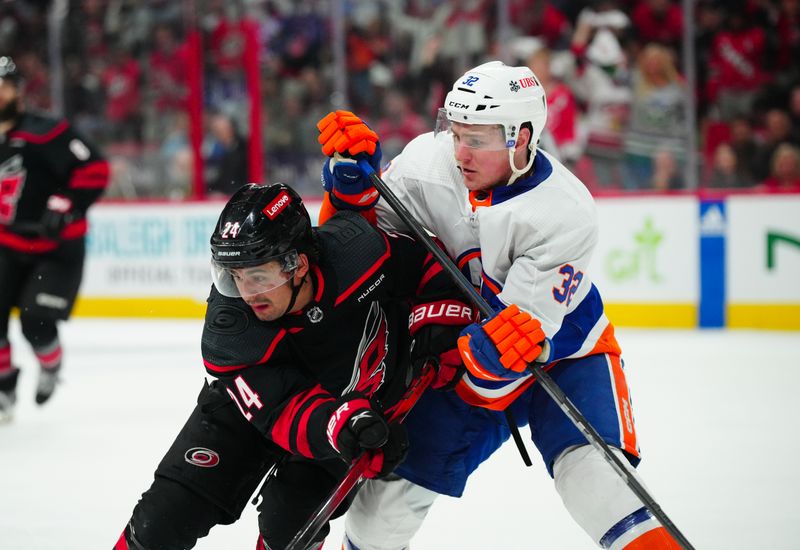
(40, 127)
(350, 245)
(233, 336)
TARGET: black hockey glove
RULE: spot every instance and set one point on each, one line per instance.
(355, 427)
(56, 216)
(434, 329)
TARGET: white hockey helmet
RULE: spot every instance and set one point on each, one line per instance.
(495, 93)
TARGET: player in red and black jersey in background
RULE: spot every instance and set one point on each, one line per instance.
(49, 176)
(308, 335)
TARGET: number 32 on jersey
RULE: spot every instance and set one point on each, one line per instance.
(570, 284)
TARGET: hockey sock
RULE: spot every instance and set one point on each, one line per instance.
(49, 356)
(638, 531)
(5, 357)
(50, 361)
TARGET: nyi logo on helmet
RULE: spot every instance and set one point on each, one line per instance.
(277, 204)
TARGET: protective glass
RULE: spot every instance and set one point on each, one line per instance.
(481, 136)
(241, 282)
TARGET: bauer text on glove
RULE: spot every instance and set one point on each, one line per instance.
(355, 427)
(434, 328)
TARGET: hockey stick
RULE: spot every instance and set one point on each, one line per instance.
(355, 474)
(552, 389)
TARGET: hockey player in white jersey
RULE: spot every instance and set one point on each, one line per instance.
(522, 228)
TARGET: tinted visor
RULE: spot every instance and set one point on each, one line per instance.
(241, 282)
(484, 137)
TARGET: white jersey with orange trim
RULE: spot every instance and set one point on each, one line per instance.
(529, 243)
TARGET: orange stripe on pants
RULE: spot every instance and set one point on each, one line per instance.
(628, 435)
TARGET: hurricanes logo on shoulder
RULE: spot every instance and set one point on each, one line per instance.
(202, 457)
(279, 203)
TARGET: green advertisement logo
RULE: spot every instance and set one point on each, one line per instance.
(773, 239)
(640, 261)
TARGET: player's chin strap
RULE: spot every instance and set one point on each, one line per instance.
(295, 292)
(517, 172)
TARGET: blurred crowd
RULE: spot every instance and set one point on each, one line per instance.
(613, 71)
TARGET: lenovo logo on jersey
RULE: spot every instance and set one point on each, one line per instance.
(274, 208)
(457, 105)
(372, 287)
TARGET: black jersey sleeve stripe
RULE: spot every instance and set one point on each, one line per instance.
(290, 430)
(94, 175)
(221, 369)
(41, 138)
(368, 273)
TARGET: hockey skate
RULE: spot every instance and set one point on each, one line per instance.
(48, 378)
(8, 394)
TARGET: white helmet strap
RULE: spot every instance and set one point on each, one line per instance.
(516, 172)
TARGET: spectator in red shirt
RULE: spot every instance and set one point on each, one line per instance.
(562, 109)
(543, 20)
(658, 21)
(736, 64)
(121, 85)
(36, 86)
(788, 34)
(168, 65)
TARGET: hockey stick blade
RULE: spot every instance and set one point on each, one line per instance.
(549, 385)
(355, 474)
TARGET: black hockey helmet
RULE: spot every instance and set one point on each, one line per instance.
(258, 225)
(9, 70)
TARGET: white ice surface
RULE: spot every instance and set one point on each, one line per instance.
(718, 416)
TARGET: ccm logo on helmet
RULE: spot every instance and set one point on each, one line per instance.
(274, 208)
(457, 105)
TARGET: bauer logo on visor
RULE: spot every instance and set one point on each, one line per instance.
(278, 204)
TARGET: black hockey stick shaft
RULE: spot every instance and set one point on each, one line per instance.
(355, 474)
(549, 385)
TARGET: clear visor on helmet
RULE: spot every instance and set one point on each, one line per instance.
(483, 136)
(241, 282)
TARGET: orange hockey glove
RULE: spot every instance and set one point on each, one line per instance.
(343, 132)
(502, 346)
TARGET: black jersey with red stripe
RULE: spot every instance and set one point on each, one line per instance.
(285, 375)
(43, 157)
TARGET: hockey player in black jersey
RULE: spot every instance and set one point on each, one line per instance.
(49, 176)
(307, 335)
